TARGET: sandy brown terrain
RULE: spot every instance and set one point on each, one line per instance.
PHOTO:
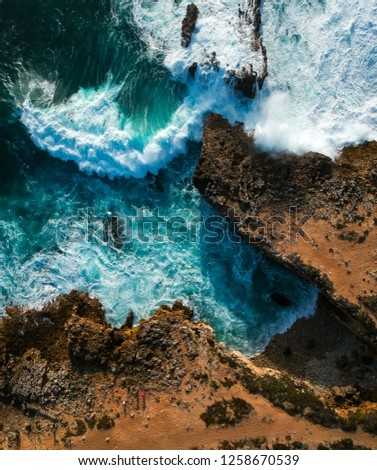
(164, 425)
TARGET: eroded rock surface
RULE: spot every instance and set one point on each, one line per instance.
(189, 23)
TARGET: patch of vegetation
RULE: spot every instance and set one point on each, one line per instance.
(340, 225)
(370, 302)
(295, 445)
(294, 398)
(297, 399)
(91, 422)
(81, 428)
(215, 385)
(105, 422)
(368, 421)
(247, 443)
(350, 236)
(261, 443)
(343, 444)
(67, 435)
(228, 383)
(227, 412)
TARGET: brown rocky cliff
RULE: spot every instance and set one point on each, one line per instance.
(312, 214)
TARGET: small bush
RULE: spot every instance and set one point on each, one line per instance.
(228, 383)
(368, 421)
(91, 422)
(346, 444)
(247, 443)
(105, 423)
(81, 428)
(227, 413)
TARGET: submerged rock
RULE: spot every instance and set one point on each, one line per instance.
(192, 69)
(281, 300)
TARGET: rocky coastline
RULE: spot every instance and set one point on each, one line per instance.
(314, 215)
(70, 380)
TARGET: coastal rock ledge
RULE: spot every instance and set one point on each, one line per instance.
(310, 213)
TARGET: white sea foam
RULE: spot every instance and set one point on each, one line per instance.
(320, 93)
(218, 29)
(219, 280)
(89, 129)
(322, 75)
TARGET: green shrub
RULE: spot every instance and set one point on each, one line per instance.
(227, 413)
(105, 423)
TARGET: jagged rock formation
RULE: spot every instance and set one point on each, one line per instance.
(189, 23)
(250, 75)
(309, 213)
(72, 334)
(192, 69)
(244, 79)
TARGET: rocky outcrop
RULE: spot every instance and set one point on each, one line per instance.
(189, 23)
(264, 72)
(316, 216)
(244, 79)
(248, 77)
(29, 376)
(54, 355)
(250, 18)
(72, 372)
(192, 69)
(71, 334)
(89, 342)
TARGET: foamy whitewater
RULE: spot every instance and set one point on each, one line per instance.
(322, 83)
(320, 95)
